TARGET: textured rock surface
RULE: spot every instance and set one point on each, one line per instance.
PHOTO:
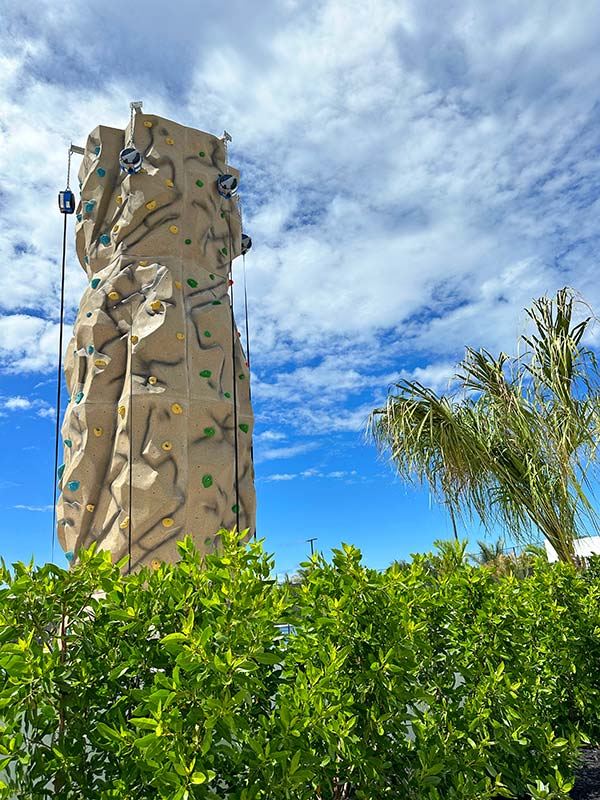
(149, 368)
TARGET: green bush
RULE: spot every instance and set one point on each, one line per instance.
(432, 680)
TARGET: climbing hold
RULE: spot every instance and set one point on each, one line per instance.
(147, 123)
(89, 207)
(97, 150)
(206, 373)
(99, 362)
(169, 183)
(244, 427)
(178, 284)
(113, 295)
(155, 563)
(176, 408)
(152, 380)
(124, 524)
(238, 334)
(188, 241)
(222, 215)
(207, 481)
(90, 507)
(94, 282)
(193, 283)
(59, 471)
(101, 172)
(79, 397)
(229, 283)
(69, 555)
(98, 431)
(173, 229)
(207, 334)
(86, 259)
(143, 263)
(151, 205)
(105, 239)
(168, 522)
(68, 443)
(216, 302)
(169, 140)
(166, 446)
(72, 486)
(201, 153)
(134, 339)
(235, 508)
(199, 183)
(122, 411)
(246, 243)
(180, 336)
(241, 376)
(115, 228)
(209, 432)
(227, 186)
(90, 349)
(156, 305)
(78, 217)
(119, 199)
(130, 160)
(89, 314)
(224, 251)
(227, 394)
(211, 276)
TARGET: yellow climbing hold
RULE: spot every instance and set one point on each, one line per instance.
(151, 205)
(155, 563)
(168, 522)
(176, 408)
(90, 507)
(121, 411)
(115, 228)
(166, 446)
(135, 339)
(173, 229)
(169, 183)
(178, 284)
(124, 524)
(119, 199)
(147, 123)
(156, 305)
(99, 362)
(169, 140)
(113, 295)
(180, 336)
(152, 379)
(98, 431)
(143, 263)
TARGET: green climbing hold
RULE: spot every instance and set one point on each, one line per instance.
(188, 241)
(200, 183)
(222, 215)
(244, 427)
(201, 153)
(79, 397)
(73, 486)
(207, 481)
(227, 394)
(68, 443)
(94, 282)
(216, 302)
(206, 373)
(193, 283)
(235, 508)
(211, 276)
(59, 471)
(207, 334)
(209, 431)
(224, 251)
(241, 376)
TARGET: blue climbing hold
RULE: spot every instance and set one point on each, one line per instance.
(73, 486)
(101, 172)
(78, 217)
(89, 207)
(86, 259)
(105, 239)
(90, 350)
(69, 555)
(68, 443)
(59, 471)
(97, 149)
(89, 314)
(79, 397)
(94, 282)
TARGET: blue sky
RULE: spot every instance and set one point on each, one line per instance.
(413, 174)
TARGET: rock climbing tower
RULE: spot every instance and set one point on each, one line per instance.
(157, 432)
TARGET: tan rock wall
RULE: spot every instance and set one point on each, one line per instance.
(149, 430)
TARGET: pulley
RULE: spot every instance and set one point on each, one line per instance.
(227, 186)
(66, 202)
(130, 160)
(246, 243)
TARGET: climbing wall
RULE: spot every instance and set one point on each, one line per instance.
(155, 364)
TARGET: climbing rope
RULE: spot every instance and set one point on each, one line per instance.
(233, 373)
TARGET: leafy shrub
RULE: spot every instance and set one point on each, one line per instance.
(419, 682)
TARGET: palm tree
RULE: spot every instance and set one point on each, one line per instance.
(515, 444)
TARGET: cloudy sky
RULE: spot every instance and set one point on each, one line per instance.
(413, 174)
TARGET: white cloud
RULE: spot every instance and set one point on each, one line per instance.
(33, 508)
(17, 403)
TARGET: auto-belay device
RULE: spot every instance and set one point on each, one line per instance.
(130, 159)
(227, 186)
